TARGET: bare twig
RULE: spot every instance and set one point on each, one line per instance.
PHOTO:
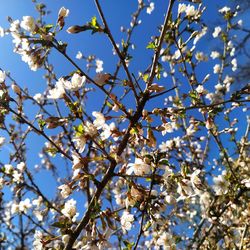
(122, 58)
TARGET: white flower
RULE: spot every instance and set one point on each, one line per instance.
(65, 190)
(216, 68)
(65, 238)
(230, 45)
(76, 82)
(17, 177)
(31, 59)
(190, 11)
(21, 166)
(28, 23)
(90, 129)
(166, 240)
(168, 128)
(215, 54)
(37, 202)
(38, 241)
(126, 221)
(2, 140)
(217, 31)
(38, 215)
(191, 129)
(1, 32)
(181, 8)
(39, 98)
(177, 54)
(8, 168)
(100, 119)
(58, 91)
(220, 184)
(185, 189)
(163, 147)
(232, 52)
(150, 8)
(63, 12)
(234, 64)
(224, 10)
(139, 167)
(240, 22)
(80, 142)
(195, 180)
(107, 130)
(76, 161)
(25, 205)
(76, 174)
(167, 172)
(69, 209)
(1, 182)
(245, 182)
(200, 89)
(2, 76)
(209, 123)
(228, 80)
(200, 56)
(14, 208)
(99, 65)
(205, 200)
(79, 55)
(15, 25)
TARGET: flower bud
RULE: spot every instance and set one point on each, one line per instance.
(74, 29)
(63, 12)
(16, 89)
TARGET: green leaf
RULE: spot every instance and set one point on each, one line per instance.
(52, 151)
(164, 162)
(79, 129)
(151, 45)
(94, 22)
(128, 244)
(48, 27)
(59, 224)
(145, 77)
(109, 104)
(41, 124)
(93, 25)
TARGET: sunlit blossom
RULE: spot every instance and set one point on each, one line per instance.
(127, 220)
(57, 92)
(139, 167)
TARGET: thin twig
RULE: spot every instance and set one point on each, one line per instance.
(41, 133)
(244, 233)
(159, 44)
(122, 58)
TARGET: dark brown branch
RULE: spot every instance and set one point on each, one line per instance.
(109, 174)
(159, 44)
(41, 133)
(122, 58)
(144, 211)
